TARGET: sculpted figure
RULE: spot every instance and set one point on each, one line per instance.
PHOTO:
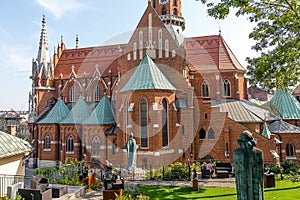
(248, 166)
(131, 148)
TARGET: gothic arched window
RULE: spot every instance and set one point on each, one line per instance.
(174, 2)
(72, 94)
(47, 142)
(202, 134)
(163, 11)
(160, 43)
(211, 134)
(227, 92)
(167, 48)
(144, 122)
(134, 50)
(70, 144)
(164, 117)
(205, 89)
(141, 44)
(175, 12)
(97, 93)
(96, 147)
(290, 150)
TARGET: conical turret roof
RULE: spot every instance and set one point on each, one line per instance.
(78, 113)
(102, 114)
(148, 76)
(56, 114)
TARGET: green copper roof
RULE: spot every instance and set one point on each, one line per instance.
(286, 105)
(79, 112)
(148, 76)
(102, 114)
(56, 114)
(266, 132)
(11, 145)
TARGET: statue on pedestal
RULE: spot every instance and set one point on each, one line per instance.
(248, 167)
(131, 148)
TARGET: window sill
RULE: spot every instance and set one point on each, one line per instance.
(47, 150)
(291, 157)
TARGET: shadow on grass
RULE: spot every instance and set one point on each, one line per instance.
(171, 192)
(279, 189)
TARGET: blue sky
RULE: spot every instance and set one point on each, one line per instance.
(95, 22)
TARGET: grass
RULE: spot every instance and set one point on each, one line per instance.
(284, 191)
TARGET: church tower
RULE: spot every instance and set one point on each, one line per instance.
(42, 73)
(170, 13)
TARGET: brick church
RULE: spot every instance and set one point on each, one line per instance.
(182, 98)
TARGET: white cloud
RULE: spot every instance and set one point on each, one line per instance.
(14, 58)
(58, 7)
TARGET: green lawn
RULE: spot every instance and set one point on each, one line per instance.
(283, 191)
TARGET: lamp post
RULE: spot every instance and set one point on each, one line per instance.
(189, 163)
(227, 154)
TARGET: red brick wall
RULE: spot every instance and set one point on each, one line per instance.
(290, 139)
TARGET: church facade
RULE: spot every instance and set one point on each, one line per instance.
(173, 93)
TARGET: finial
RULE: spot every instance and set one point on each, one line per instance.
(43, 21)
(220, 31)
(61, 95)
(73, 68)
(54, 49)
(61, 39)
(77, 41)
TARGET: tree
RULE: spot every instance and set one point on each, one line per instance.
(277, 36)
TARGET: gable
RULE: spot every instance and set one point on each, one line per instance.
(84, 60)
(211, 53)
(151, 36)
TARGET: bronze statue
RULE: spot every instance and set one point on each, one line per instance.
(248, 167)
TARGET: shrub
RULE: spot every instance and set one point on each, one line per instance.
(289, 167)
(176, 171)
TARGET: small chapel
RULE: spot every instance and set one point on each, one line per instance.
(182, 98)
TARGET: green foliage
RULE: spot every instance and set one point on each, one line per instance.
(287, 171)
(98, 185)
(156, 174)
(67, 173)
(18, 197)
(176, 171)
(289, 167)
(276, 169)
(277, 38)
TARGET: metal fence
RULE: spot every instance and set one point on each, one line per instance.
(7, 180)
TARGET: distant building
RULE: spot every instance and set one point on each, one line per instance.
(296, 93)
(14, 122)
(12, 160)
(259, 94)
(182, 98)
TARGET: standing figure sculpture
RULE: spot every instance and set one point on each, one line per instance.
(248, 167)
(131, 148)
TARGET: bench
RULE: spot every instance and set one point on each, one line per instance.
(223, 167)
(205, 173)
(222, 174)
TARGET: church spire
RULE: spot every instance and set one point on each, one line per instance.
(43, 52)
